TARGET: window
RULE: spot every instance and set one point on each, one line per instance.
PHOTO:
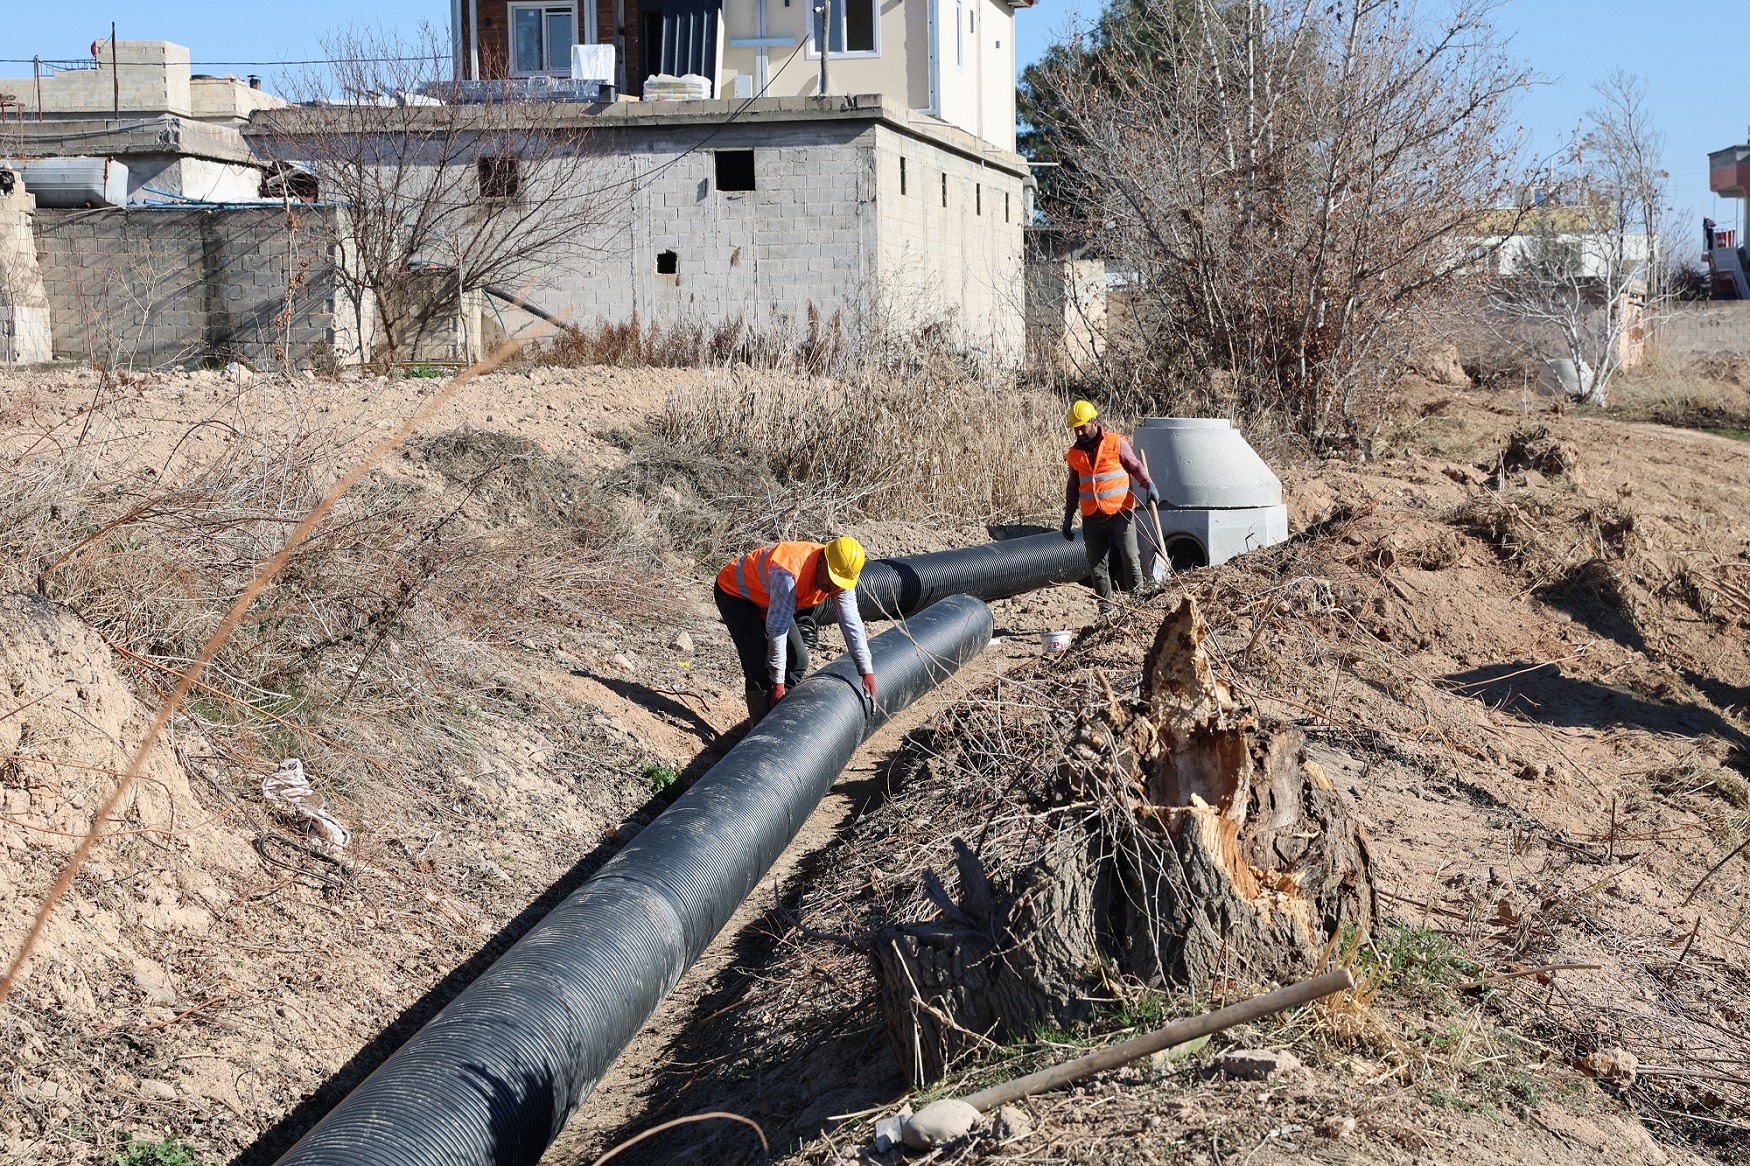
(1005, 206)
(959, 34)
(541, 36)
(734, 169)
(944, 190)
(667, 263)
(902, 176)
(854, 24)
(978, 198)
(499, 176)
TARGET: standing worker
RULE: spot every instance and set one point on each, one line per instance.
(760, 595)
(1104, 477)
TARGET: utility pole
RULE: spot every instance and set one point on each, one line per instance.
(115, 76)
(825, 13)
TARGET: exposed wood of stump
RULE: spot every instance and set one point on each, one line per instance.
(1219, 852)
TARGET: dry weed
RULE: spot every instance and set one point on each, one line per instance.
(380, 640)
(936, 446)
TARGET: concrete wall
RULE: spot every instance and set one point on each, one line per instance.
(24, 305)
(160, 286)
(953, 256)
(1694, 331)
(826, 228)
(154, 77)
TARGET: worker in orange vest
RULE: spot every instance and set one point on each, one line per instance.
(769, 599)
(1104, 480)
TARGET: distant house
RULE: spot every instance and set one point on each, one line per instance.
(952, 59)
(178, 133)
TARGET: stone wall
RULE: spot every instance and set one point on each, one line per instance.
(150, 286)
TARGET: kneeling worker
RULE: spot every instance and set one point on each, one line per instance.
(1105, 479)
(760, 595)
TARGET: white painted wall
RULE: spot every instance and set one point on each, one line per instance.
(974, 69)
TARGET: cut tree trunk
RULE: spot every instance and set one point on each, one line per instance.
(1218, 852)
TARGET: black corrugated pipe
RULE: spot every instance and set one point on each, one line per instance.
(890, 588)
(494, 1076)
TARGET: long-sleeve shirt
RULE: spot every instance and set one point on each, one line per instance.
(1139, 479)
(781, 613)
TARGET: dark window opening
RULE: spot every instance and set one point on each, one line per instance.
(1005, 206)
(860, 26)
(978, 198)
(667, 263)
(902, 176)
(944, 190)
(499, 176)
(734, 169)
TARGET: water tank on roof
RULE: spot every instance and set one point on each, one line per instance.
(75, 182)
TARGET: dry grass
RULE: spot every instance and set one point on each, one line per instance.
(940, 445)
(385, 633)
(1710, 393)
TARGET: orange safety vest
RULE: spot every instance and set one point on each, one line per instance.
(747, 575)
(1105, 487)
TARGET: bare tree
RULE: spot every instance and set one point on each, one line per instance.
(1286, 185)
(1582, 280)
(440, 191)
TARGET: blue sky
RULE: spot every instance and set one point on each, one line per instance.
(1689, 52)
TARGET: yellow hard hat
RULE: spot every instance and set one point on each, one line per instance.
(1081, 413)
(844, 561)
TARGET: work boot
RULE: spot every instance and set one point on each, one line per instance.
(759, 701)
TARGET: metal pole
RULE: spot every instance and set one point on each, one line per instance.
(474, 40)
(36, 68)
(115, 76)
(825, 11)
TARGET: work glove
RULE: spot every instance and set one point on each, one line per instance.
(1068, 532)
(777, 695)
(1154, 494)
(869, 685)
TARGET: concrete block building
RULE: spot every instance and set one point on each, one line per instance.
(140, 103)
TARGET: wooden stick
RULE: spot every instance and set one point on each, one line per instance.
(1161, 544)
(1176, 1033)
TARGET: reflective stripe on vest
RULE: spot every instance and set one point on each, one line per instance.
(750, 575)
(1103, 483)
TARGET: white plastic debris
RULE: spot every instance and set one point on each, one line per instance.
(289, 790)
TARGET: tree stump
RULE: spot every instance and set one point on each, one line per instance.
(1217, 852)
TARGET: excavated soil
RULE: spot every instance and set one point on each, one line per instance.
(1524, 656)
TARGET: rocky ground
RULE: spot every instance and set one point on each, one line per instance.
(1523, 656)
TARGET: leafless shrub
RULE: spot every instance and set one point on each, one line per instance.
(1285, 186)
(441, 197)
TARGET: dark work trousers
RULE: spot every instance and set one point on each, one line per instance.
(746, 621)
(1110, 540)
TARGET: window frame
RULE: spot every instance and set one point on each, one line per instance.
(545, 9)
(811, 49)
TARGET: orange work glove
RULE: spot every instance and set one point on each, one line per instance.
(777, 695)
(869, 684)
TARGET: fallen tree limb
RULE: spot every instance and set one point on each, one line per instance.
(1176, 1033)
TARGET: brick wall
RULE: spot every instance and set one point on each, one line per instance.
(173, 286)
